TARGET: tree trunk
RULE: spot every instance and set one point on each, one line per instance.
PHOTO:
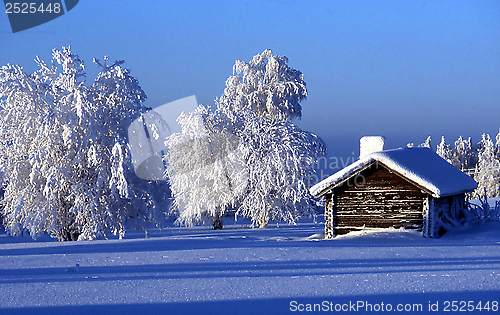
(263, 222)
(68, 232)
(218, 223)
(65, 236)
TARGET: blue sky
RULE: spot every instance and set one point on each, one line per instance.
(401, 69)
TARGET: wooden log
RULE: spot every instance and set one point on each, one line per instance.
(377, 198)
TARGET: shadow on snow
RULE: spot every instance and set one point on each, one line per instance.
(242, 269)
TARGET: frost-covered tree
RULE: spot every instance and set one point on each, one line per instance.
(206, 167)
(267, 86)
(64, 154)
(464, 154)
(445, 151)
(280, 160)
(487, 172)
(482, 161)
(497, 145)
(266, 172)
(427, 143)
(265, 95)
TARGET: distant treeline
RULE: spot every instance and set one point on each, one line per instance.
(480, 160)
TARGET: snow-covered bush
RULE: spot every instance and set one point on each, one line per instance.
(64, 154)
(260, 163)
(480, 210)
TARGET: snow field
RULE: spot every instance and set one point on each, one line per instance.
(246, 271)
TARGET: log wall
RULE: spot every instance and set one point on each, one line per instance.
(376, 198)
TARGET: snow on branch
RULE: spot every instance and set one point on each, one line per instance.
(65, 159)
(246, 156)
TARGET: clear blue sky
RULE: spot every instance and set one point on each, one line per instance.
(401, 69)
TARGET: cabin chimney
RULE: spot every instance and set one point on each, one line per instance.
(370, 144)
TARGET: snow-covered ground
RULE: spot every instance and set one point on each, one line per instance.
(250, 271)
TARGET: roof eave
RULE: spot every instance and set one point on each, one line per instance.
(453, 193)
(360, 165)
(349, 175)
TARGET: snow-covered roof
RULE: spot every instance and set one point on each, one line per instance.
(419, 165)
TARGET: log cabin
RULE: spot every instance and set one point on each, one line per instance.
(412, 188)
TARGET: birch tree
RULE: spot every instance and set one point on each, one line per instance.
(206, 167)
(65, 160)
(268, 168)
